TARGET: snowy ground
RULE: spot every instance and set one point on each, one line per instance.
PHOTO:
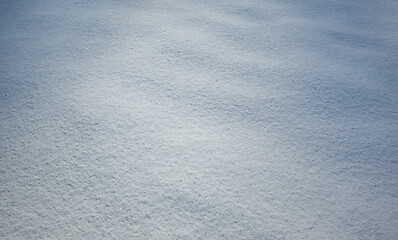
(198, 119)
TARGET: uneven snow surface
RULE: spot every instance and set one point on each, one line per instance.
(273, 119)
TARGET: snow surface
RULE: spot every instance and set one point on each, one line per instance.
(199, 119)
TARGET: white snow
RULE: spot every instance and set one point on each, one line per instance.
(198, 119)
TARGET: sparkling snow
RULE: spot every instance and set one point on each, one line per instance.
(198, 119)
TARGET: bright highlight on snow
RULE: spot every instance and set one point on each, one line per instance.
(198, 119)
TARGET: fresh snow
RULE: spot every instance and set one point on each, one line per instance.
(271, 119)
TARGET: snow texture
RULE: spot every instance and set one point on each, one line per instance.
(272, 119)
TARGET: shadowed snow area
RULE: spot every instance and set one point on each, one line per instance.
(198, 119)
